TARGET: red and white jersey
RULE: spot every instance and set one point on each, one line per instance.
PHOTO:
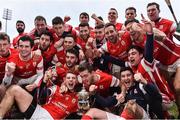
(151, 73)
(167, 26)
(167, 52)
(105, 81)
(15, 40)
(3, 61)
(60, 56)
(61, 105)
(118, 49)
(27, 72)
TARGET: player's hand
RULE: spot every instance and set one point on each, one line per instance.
(147, 25)
(120, 97)
(93, 16)
(47, 76)
(139, 78)
(10, 68)
(63, 88)
(67, 18)
(81, 55)
(31, 87)
(92, 89)
(59, 43)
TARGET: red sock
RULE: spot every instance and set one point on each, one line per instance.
(86, 117)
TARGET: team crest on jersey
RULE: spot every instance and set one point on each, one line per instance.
(34, 64)
(123, 43)
(20, 67)
(73, 100)
(67, 98)
(27, 66)
(161, 27)
(135, 91)
(101, 87)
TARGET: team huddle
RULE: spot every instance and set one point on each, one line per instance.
(131, 70)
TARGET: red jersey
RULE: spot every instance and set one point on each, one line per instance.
(105, 82)
(48, 56)
(81, 42)
(167, 26)
(61, 105)
(118, 26)
(28, 72)
(151, 73)
(118, 49)
(15, 40)
(3, 61)
(60, 56)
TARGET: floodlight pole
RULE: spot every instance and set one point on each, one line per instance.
(7, 15)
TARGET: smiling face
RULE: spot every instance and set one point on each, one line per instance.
(69, 43)
(70, 81)
(134, 57)
(25, 49)
(111, 34)
(112, 16)
(134, 30)
(153, 12)
(127, 78)
(84, 32)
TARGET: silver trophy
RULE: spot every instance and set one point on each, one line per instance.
(83, 101)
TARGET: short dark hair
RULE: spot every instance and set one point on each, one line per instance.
(84, 13)
(73, 51)
(46, 32)
(85, 66)
(125, 69)
(57, 20)
(20, 21)
(39, 18)
(136, 47)
(99, 26)
(84, 25)
(154, 3)
(26, 38)
(130, 21)
(131, 8)
(4, 36)
(114, 10)
(109, 24)
(69, 35)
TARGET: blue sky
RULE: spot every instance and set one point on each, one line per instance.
(27, 10)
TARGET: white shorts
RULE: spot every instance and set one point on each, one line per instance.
(171, 68)
(111, 116)
(41, 114)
